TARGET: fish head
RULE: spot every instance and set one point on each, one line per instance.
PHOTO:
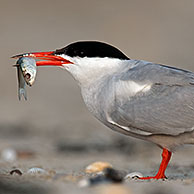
(28, 68)
(29, 76)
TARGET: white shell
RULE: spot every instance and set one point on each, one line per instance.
(36, 170)
(9, 155)
(133, 175)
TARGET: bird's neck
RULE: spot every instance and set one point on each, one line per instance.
(91, 71)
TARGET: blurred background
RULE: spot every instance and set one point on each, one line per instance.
(159, 31)
(54, 115)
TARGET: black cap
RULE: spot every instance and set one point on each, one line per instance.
(91, 49)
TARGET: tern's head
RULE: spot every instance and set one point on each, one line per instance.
(85, 60)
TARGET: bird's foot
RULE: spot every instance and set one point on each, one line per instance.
(138, 175)
(157, 177)
(166, 155)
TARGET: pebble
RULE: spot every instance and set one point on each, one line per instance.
(9, 155)
(36, 170)
(113, 175)
(109, 175)
(97, 167)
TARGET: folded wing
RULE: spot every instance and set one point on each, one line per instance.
(153, 99)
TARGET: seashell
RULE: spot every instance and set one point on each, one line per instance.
(16, 171)
(133, 175)
(36, 170)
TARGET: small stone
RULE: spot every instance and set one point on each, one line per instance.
(109, 175)
(113, 175)
(97, 167)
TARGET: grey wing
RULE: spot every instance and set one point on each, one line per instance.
(153, 99)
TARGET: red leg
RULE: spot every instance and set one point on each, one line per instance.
(166, 155)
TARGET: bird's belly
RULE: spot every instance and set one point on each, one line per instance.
(97, 106)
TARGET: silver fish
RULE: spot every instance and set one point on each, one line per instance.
(28, 68)
(21, 84)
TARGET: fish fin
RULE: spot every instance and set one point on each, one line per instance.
(21, 92)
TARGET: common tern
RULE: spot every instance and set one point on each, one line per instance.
(145, 100)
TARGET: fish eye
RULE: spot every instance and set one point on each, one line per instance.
(27, 76)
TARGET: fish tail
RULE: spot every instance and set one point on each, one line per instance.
(21, 92)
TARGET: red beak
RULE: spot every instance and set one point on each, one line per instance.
(49, 58)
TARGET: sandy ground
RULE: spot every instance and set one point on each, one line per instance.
(65, 161)
(54, 124)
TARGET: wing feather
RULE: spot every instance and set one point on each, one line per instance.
(161, 102)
